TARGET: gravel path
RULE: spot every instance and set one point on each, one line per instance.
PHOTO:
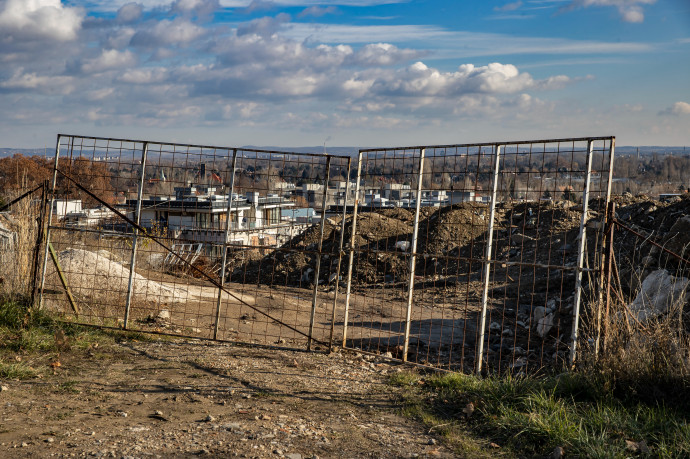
(184, 399)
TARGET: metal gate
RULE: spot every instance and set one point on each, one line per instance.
(200, 241)
(478, 257)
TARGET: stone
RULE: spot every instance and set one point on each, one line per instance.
(545, 325)
(164, 314)
(4, 388)
(659, 293)
(209, 418)
(538, 314)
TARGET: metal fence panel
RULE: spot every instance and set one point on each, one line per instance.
(203, 241)
(503, 258)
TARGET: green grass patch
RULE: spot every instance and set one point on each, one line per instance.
(17, 370)
(531, 416)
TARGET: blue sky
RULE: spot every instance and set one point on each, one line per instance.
(348, 73)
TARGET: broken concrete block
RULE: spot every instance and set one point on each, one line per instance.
(538, 314)
(544, 325)
(659, 293)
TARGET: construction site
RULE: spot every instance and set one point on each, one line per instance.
(470, 258)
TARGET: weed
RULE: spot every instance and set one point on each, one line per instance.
(17, 370)
(531, 416)
(403, 379)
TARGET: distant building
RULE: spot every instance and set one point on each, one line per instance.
(62, 207)
(197, 214)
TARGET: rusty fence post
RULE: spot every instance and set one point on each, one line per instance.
(46, 242)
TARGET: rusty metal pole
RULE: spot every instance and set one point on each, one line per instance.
(317, 269)
(135, 237)
(487, 263)
(351, 258)
(49, 222)
(40, 224)
(413, 255)
(581, 257)
(224, 258)
(340, 256)
(609, 267)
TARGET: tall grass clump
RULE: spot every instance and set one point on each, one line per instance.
(17, 253)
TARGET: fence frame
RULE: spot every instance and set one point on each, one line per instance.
(488, 261)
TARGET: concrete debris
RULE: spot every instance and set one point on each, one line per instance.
(659, 293)
(545, 324)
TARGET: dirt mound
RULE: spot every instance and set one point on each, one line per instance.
(293, 264)
(452, 227)
(98, 274)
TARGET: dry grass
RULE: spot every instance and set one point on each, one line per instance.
(17, 259)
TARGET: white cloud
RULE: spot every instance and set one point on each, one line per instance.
(317, 11)
(379, 54)
(418, 80)
(39, 19)
(130, 12)
(447, 44)
(195, 7)
(276, 52)
(44, 84)
(629, 10)
(109, 59)
(167, 32)
(677, 109)
(144, 76)
(113, 5)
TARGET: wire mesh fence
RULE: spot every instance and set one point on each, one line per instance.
(467, 257)
(189, 240)
(472, 257)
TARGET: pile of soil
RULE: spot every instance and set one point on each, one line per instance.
(97, 274)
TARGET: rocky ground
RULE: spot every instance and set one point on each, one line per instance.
(137, 399)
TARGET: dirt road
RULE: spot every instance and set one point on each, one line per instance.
(188, 398)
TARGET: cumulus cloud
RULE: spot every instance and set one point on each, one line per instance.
(109, 59)
(629, 10)
(130, 12)
(677, 109)
(195, 7)
(167, 32)
(383, 54)
(265, 26)
(44, 84)
(220, 72)
(277, 52)
(39, 19)
(418, 80)
(144, 76)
